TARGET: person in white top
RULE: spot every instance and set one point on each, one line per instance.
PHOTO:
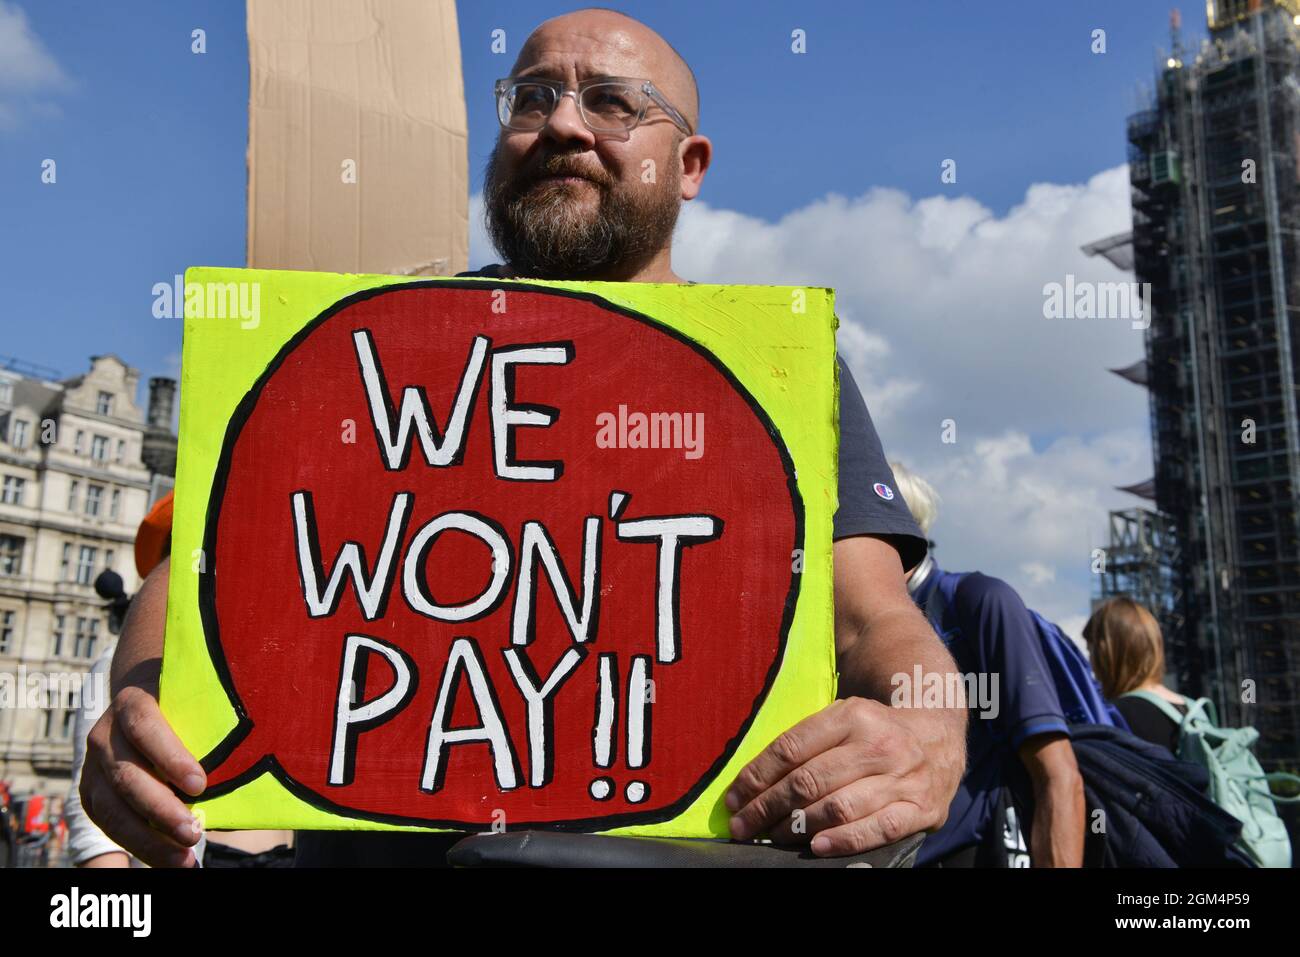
(88, 846)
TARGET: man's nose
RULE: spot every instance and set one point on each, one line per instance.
(565, 124)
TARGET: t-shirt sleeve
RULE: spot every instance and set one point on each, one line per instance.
(993, 617)
(870, 503)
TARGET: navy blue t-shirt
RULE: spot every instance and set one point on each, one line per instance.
(989, 631)
(870, 503)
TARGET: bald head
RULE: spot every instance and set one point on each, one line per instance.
(601, 42)
(565, 201)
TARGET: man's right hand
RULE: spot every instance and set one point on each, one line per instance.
(132, 755)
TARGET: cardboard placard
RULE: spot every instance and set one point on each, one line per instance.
(358, 143)
(476, 553)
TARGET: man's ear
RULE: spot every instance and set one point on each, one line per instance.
(695, 152)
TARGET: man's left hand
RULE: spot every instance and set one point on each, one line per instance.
(859, 773)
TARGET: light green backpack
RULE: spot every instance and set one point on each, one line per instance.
(1237, 782)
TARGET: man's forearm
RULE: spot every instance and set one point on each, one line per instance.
(1057, 835)
(873, 654)
(111, 859)
(137, 660)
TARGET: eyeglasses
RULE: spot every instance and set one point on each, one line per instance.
(607, 104)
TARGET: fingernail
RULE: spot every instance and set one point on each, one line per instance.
(737, 825)
(188, 831)
(194, 783)
(732, 800)
(821, 844)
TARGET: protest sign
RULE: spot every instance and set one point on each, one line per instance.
(477, 553)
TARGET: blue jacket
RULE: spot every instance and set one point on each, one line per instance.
(1155, 809)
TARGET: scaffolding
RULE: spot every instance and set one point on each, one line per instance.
(1224, 13)
(1215, 178)
(1141, 562)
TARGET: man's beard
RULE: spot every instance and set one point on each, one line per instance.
(547, 231)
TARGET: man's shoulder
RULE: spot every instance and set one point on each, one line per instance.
(979, 592)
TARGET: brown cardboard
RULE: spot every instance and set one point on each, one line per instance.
(375, 82)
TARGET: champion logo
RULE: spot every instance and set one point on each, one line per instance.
(884, 491)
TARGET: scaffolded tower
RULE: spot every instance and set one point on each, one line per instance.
(1215, 169)
(1141, 561)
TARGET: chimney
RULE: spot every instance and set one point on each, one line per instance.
(162, 400)
(159, 450)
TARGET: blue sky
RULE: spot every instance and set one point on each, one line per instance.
(149, 139)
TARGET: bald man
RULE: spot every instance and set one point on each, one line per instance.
(567, 197)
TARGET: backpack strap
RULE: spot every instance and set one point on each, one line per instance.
(1278, 777)
(1195, 707)
(1164, 707)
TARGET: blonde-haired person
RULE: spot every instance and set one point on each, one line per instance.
(1128, 654)
(922, 500)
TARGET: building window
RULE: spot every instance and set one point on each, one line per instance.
(86, 564)
(99, 448)
(94, 498)
(66, 564)
(59, 625)
(73, 488)
(87, 637)
(11, 493)
(6, 391)
(60, 721)
(108, 559)
(19, 437)
(7, 628)
(121, 451)
(104, 404)
(11, 555)
(115, 504)
(79, 446)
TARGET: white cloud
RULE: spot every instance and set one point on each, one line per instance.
(1038, 573)
(1031, 517)
(941, 309)
(956, 291)
(27, 70)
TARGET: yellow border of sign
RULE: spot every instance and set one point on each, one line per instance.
(779, 353)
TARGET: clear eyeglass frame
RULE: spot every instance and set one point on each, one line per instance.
(644, 92)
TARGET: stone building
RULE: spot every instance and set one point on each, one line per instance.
(74, 486)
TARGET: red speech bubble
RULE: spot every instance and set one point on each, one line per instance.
(483, 553)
